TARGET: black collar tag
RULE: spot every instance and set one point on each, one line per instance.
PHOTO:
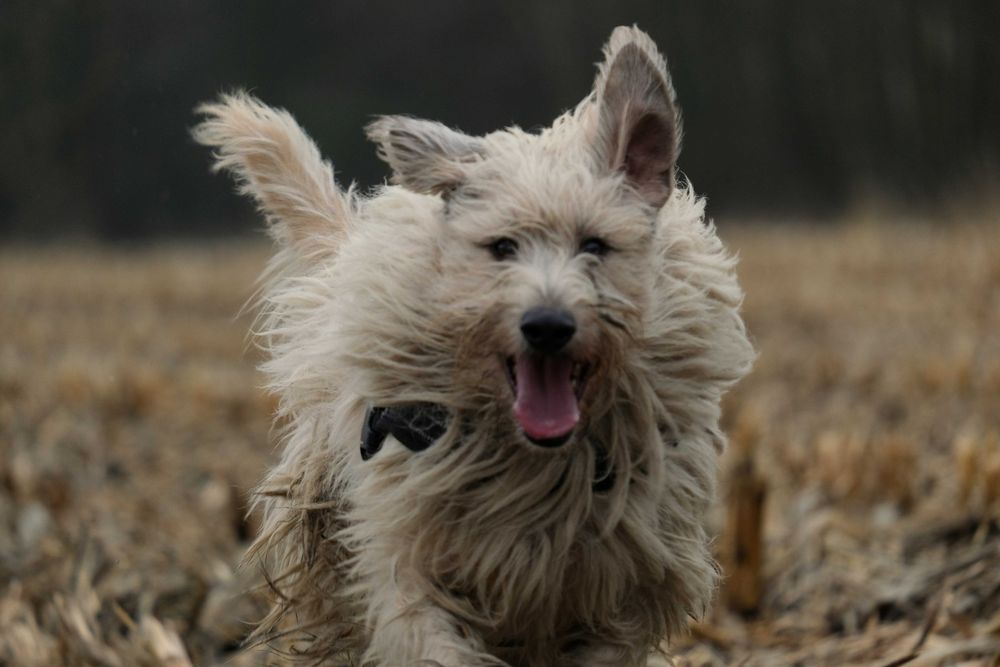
(416, 426)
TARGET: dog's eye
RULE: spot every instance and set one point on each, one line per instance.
(504, 248)
(594, 246)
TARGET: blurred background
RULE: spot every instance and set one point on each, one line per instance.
(850, 151)
(790, 107)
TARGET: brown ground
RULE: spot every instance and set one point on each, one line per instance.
(132, 426)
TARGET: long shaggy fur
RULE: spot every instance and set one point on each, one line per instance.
(486, 549)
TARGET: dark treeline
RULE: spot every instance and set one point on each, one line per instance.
(790, 106)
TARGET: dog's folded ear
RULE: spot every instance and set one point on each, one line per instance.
(425, 156)
(277, 164)
(638, 126)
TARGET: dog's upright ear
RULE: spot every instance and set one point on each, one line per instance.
(425, 156)
(276, 163)
(638, 124)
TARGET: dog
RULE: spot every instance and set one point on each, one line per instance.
(501, 379)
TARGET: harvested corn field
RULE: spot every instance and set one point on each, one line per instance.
(859, 515)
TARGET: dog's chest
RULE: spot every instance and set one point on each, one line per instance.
(537, 586)
(561, 600)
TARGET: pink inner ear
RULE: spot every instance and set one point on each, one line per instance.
(649, 158)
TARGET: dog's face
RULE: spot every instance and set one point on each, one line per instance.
(546, 281)
(544, 244)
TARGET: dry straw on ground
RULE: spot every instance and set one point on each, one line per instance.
(860, 518)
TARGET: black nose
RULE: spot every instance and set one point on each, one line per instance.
(548, 330)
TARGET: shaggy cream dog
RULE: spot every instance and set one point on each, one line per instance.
(500, 378)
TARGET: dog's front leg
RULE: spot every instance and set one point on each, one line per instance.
(409, 629)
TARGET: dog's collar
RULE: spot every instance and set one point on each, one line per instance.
(418, 425)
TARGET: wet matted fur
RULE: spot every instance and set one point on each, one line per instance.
(487, 549)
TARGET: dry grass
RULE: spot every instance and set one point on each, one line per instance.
(131, 428)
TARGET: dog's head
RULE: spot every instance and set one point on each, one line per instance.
(544, 242)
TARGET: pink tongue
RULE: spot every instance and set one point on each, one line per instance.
(546, 405)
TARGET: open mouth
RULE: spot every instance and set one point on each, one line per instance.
(547, 392)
